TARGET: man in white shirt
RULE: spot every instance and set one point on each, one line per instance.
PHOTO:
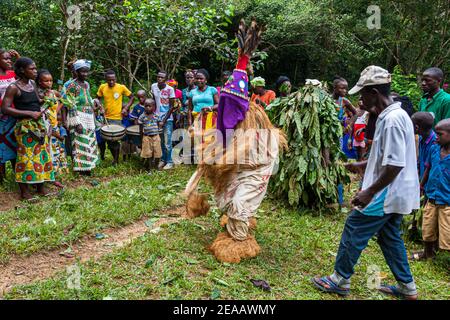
(164, 96)
(390, 190)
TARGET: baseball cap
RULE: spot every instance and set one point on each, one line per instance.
(372, 75)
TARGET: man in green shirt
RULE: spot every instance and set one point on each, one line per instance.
(435, 99)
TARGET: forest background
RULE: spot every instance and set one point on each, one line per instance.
(303, 38)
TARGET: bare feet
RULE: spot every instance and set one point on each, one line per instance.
(42, 191)
(58, 184)
(25, 196)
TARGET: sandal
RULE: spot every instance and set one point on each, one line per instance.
(394, 291)
(327, 285)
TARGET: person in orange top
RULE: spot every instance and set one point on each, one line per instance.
(261, 96)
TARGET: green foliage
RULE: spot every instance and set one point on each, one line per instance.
(310, 171)
(323, 38)
(133, 37)
(406, 85)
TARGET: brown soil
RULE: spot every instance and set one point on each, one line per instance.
(23, 270)
(9, 200)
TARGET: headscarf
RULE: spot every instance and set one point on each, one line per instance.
(258, 82)
(172, 83)
(82, 64)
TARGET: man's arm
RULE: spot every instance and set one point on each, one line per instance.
(216, 103)
(356, 167)
(388, 175)
(171, 103)
(7, 108)
(424, 181)
(130, 96)
(426, 174)
(190, 107)
(98, 102)
(130, 101)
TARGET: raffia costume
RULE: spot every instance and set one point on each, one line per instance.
(240, 165)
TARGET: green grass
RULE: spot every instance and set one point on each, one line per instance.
(174, 264)
(80, 211)
(103, 170)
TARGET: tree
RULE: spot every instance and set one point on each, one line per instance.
(323, 38)
(134, 37)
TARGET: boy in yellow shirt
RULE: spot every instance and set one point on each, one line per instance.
(112, 94)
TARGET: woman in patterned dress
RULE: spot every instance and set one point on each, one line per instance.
(34, 161)
(81, 119)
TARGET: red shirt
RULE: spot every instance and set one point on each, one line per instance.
(266, 98)
(5, 81)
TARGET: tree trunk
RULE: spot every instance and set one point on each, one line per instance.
(66, 43)
(63, 57)
(128, 64)
(149, 84)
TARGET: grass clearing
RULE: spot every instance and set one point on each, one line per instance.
(84, 210)
(174, 264)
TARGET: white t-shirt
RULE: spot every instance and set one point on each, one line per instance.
(162, 99)
(394, 144)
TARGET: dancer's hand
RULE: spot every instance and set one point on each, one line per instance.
(79, 129)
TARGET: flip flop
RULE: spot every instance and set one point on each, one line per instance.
(393, 291)
(325, 284)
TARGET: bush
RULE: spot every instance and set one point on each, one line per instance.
(406, 85)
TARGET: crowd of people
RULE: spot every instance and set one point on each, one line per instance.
(395, 175)
(40, 128)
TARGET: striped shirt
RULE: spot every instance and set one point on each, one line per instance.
(150, 123)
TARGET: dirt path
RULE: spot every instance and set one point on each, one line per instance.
(42, 265)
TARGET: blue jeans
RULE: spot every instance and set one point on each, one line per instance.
(341, 194)
(359, 229)
(166, 142)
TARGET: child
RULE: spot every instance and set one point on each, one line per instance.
(423, 126)
(138, 109)
(340, 88)
(436, 215)
(53, 108)
(345, 111)
(358, 133)
(151, 142)
(177, 105)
